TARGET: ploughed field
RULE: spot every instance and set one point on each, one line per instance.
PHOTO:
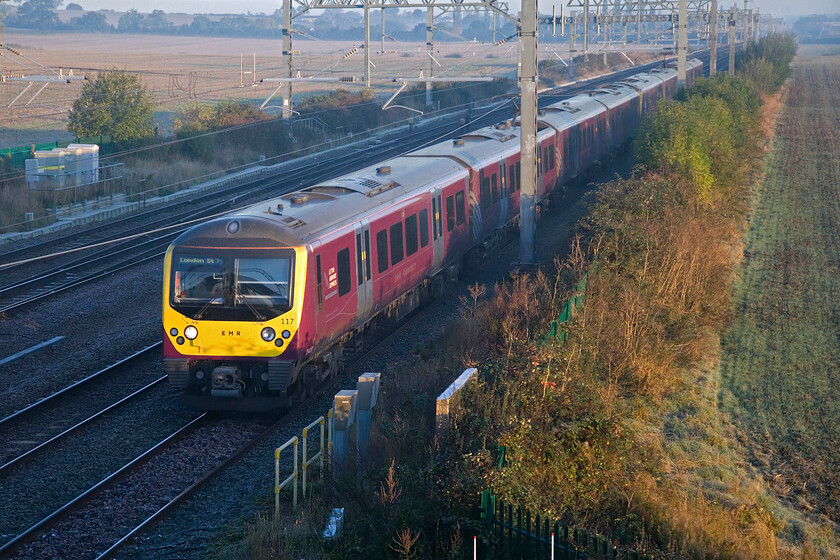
(782, 352)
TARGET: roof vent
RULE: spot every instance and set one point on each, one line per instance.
(298, 199)
(458, 142)
(384, 170)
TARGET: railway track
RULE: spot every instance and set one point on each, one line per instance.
(29, 281)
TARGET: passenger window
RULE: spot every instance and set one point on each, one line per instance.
(450, 213)
(343, 271)
(485, 192)
(494, 182)
(411, 235)
(382, 251)
(424, 227)
(320, 290)
(518, 174)
(551, 157)
(460, 216)
(396, 243)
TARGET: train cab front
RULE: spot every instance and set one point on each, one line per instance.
(231, 316)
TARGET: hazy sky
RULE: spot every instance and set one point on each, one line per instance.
(779, 8)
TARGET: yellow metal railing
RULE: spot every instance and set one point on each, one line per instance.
(322, 452)
(292, 477)
(326, 438)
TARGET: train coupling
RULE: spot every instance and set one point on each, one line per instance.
(227, 382)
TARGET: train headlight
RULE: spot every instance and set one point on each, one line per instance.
(191, 332)
(180, 340)
(286, 334)
(173, 331)
(268, 334)
(278, 343)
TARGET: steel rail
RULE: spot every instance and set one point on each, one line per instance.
(46, 523)
(76, 427)
(20, 414)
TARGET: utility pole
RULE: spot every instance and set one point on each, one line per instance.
(383, 32)
(682, 41)
(367, 43)
(528, 131)
(286, 87)
(733, 21)
(586, 30)
(713, 23)
(430, 47)
(757, 26)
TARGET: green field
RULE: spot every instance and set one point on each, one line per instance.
(781, 359)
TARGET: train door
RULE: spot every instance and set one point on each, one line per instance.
(437, 227)
(503, 199)
(363, 270)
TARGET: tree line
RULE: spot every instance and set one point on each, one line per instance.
(332, 24)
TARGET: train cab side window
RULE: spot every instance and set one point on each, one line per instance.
(320, 289)
(382, 251)
(396, 243)
(460, 215)
(424, 227)
(485, 191)
(411, 235)
(494, 182)
(450, 213)
(343, 271)
(551, 157)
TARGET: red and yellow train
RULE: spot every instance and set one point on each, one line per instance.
(259, 305)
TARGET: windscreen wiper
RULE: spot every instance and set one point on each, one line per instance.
(204, 309)
(239, 298)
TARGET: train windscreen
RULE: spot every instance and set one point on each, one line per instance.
(230, 286)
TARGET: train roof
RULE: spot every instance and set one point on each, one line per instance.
(571, 111)
(664, 73)
(304, 216)
(613, 95)
(481, 146)
(643, 82)
(689, 63)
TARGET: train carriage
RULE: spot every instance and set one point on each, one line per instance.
(298, 274)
